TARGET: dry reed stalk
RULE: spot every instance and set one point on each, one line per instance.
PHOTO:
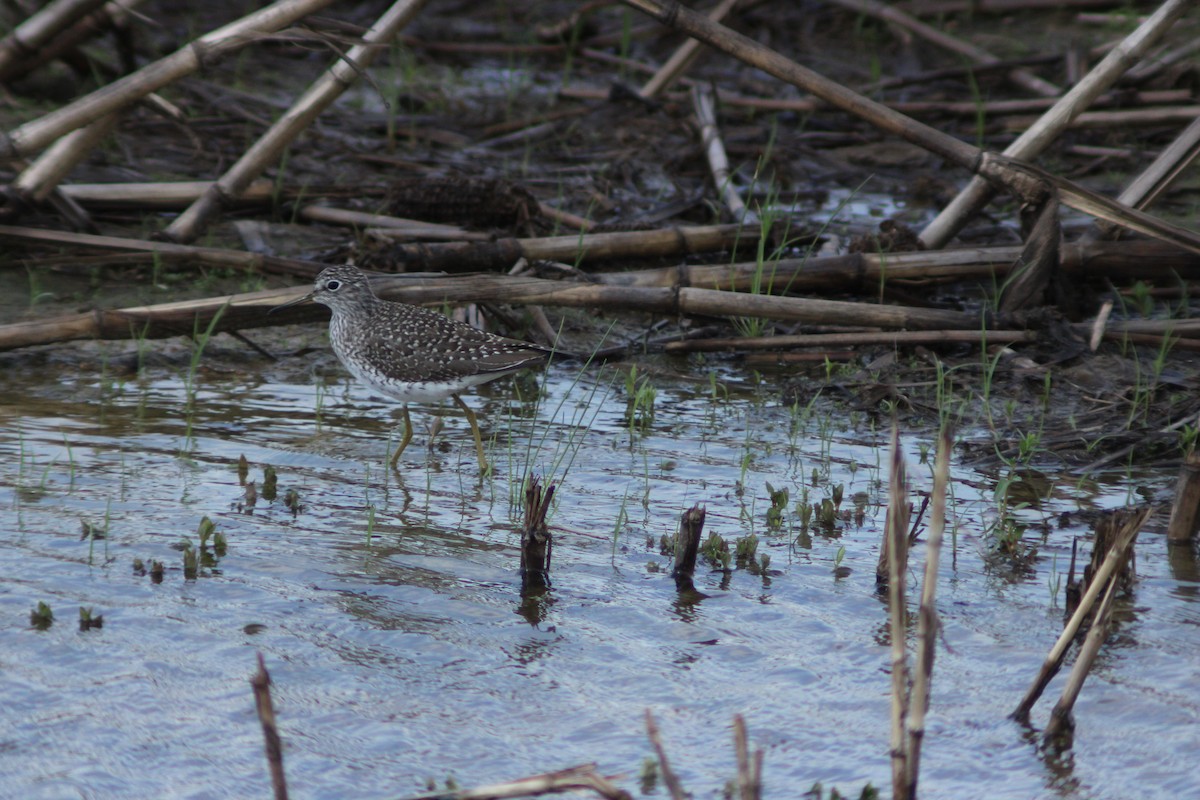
(396, 226)
(718, 161)
(1154, 65)
(1156, 116)
(47, 171)
(1025, 181)
(112, 16)
(1167, 340)
(1061, 722)
(773, 63)
(670, 779)
(166, 195)
(537, 543)
(1185, 511)
(868, 272)
(1115, 558)
(566, 218)
(37, 134)
(856, 339)
(927, 619)
(503, 253)
(749, 767)
(248, 310)
(41, 28)
(1028, 105)
(896, 547)
(1021, 77)
(1154, 179)
(1031, 143)
(266, 151)
(682, 59)
(236, 259)
(261, 683)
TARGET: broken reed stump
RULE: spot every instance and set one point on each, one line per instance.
(1105, 534)
(687, 547)
(1185, 513)
(537, 545)
(261, 682)
(1125, 524)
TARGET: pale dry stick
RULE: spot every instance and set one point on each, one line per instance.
(566, 217)
(927, 619)
(165, 195)
(856, 339)
(1024, 180)
(1099, 323)
(570, 779)
(37, 134)
(399, 226)
(339, 77)
(1160, 61)
(1116, 556)
(1030, 105)
(587, 247)
(669, 777)
(896, 542)
(1031, 143)
(718, 161)
(42, 176)
(1061, 722)
(41, 28)
(993, 108)
(1156, 116)
(682, 59)
(1022, 77)
(1173, 160)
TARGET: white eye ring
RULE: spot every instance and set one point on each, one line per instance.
(333, 285)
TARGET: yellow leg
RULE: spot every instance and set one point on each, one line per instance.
(483, 465)
(407, 437)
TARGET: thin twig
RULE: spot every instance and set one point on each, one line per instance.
(261, 682)
(669, 777)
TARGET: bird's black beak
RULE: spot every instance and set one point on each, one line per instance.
(290, 303)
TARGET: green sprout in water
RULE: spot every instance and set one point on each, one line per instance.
(715, 550)
(746, 550)
(88, 619)
(270, 484)
(639, 403)
(41, 617)
(779, 502)
(191, 562)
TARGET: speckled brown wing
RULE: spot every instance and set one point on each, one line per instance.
(415, 341)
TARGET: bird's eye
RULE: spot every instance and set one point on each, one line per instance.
(333, 285)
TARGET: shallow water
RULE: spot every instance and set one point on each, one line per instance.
(389, 614)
